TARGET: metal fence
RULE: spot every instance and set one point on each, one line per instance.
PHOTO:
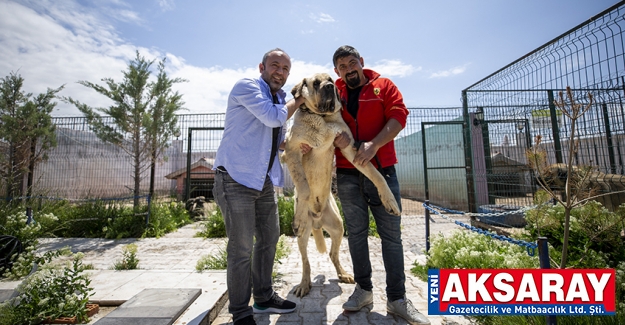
(82, 166)
(505, 111)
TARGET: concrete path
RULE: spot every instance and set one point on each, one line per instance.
(169, 263)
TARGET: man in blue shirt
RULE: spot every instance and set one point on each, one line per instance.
(247, 169)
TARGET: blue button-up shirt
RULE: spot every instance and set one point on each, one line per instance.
(245, 148)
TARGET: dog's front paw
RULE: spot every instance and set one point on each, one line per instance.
(390, 204)
(392, 207)
(302, 289)
(346, 278)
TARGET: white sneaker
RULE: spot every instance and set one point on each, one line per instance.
(404, 309)
(358, 299)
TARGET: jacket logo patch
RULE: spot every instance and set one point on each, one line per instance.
(376, 91)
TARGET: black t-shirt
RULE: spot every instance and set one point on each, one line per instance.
(274, 140)
(352, 100)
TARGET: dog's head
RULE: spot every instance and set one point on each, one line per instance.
(320, 93)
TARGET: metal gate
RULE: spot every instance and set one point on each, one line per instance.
(200, 173)
(500, 164)
(446, 168)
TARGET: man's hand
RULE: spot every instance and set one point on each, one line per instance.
(305, 148)
(366, 152)
(342, 140)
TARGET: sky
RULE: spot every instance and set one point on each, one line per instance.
(432, 50)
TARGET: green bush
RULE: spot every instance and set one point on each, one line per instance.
(27, 234)
(471, 250)
(53, 291)
(15, 225)
(129, 259)
(165, 218)
(214, 226)
(286, 210)
(594, 237)
(28, 261)
(213, 262)
(99, 219)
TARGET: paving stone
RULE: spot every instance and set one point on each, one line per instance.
(136, 321)
(160, 306)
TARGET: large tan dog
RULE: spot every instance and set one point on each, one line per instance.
(316, 124)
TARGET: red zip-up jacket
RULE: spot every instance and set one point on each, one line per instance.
(378, 102)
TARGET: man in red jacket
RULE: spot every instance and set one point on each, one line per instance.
(374, 110)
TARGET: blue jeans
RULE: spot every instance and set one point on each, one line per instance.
(248, 213)
(357, 195)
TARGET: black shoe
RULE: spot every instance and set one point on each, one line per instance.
(275, 305)
(248, 320)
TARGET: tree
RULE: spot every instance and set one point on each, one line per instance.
(26, 129)
(164, 121)
(143, 114)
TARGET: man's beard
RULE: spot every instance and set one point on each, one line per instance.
(353, 82)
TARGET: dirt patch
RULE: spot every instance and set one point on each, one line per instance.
(412, 207)
(104, 310)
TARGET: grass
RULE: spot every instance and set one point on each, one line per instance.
(129, 259)
(219, 261)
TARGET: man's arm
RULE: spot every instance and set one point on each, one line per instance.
(292, 106)
(368, 149)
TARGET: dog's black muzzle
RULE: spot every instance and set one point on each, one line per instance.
(327, 95)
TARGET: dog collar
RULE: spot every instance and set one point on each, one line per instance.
(309, 111)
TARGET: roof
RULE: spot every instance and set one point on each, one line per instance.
(500, 160)
(203, 162)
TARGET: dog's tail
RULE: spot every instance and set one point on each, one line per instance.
(319, 240)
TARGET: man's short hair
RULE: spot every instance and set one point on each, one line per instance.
(344, 51)
(277, 49)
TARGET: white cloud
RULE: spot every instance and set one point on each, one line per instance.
(207, 89)
(450, 72)
(166, 5)
(301, 70)
(393, 68)
(66, 43)
(127, 15)
(59, 47)
(321, 18)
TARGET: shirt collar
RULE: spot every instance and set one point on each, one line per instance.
(281, 93)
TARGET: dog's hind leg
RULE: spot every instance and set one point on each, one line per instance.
(303, 288)
(333, 224)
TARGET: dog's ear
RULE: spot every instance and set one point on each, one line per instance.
(339, 103)
(297, 89)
